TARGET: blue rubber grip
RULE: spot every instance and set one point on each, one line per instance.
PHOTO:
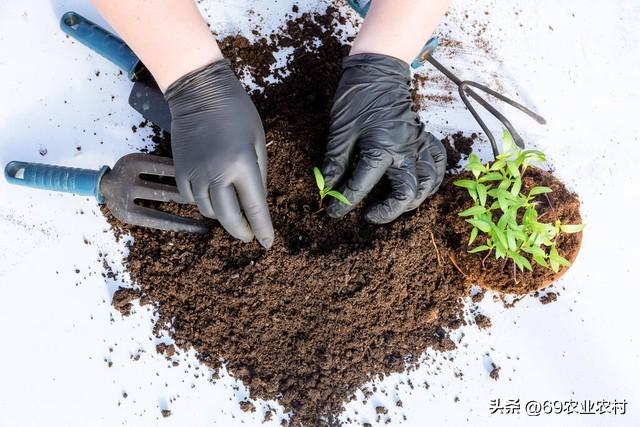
(83, 182)
(362, 7)
(103, 42)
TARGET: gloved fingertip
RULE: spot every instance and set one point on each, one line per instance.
(243, 233)
(386, 211)
(337, 210)
(266, 242)
(245, 239)
(373, 216)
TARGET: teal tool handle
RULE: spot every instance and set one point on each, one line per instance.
(103, 42)
(362, 7)
(83, 182)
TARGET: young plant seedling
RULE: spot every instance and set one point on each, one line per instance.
(508, 219)
(325, 191)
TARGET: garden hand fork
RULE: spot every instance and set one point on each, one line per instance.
(134, 178)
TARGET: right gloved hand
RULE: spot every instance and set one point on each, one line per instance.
(219, 151)
(372, 117)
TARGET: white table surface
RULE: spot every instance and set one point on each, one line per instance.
(577, 62)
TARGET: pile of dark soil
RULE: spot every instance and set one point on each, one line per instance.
(334, 303)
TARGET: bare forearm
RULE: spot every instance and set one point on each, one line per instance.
(170, 37)
(399, 28)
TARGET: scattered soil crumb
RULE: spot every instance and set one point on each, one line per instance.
(122, 299)
(247, 406)
(482, 321)
(549, 298)
(381, 410)
(453, 156)
(166, 349)
(165, 413)
(477, 297)
(495, 371)
(462, 143)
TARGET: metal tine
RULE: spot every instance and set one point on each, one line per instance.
(148, 164)
(464, 90)
(137, 164)
(149, 190)
(537, 117)
(148, 217)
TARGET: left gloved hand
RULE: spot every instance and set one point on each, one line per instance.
(219, 151)
(372, 115)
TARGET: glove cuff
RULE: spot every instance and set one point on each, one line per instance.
(385, 64)
(197, 78)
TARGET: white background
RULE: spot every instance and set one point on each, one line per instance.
(575, 61)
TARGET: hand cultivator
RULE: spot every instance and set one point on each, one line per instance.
(135, 177)
(465, 88)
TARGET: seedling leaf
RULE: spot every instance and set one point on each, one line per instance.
(465, 183)
(473, 211)
(481, 189)
(491, 176)
(541, 261)
(500, 234)
(571, 228)
(480, 224)
(473, 236)
(511, 240)
(556, 260)
(520, 261)
(539, 190)
(508, 145)
(535, 251)
(479, 249)
(517, 185)
(319, 178)
(339, 196)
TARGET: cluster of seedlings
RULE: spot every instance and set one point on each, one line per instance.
(507, 219)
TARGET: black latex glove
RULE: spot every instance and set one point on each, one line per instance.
(219, 151)
(372, 115)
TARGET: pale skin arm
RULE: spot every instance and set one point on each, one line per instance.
(399, 28)
(170, 37)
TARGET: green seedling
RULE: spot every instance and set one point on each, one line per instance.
(325, 191)
(507, 218)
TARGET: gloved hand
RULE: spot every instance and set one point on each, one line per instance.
(219, 151)
(372, 115)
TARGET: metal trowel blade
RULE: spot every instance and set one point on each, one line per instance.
(147, 99)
